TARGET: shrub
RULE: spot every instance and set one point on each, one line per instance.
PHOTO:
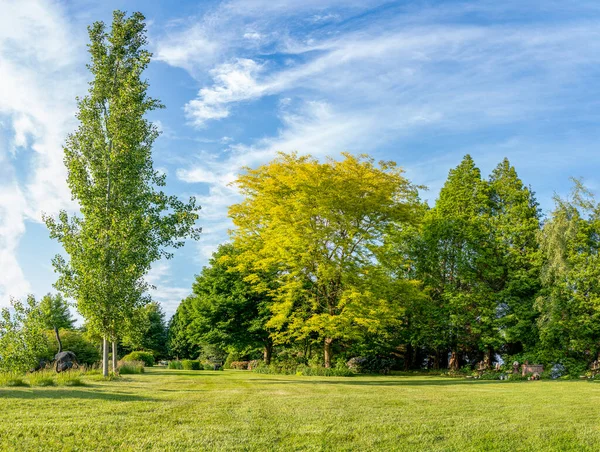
(233, 356)
(212, 366)
(146, 357)
(175, 365)
(130, 367)
(302, 370)
(190, 364)
(239, 365)
(370, 364)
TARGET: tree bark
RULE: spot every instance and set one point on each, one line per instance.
(454, 364)
(114, 356)
(104, 357)
(327, 352)
(58, 340)
(268, 351)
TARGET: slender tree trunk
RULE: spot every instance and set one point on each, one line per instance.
(58, 339)
(327, 351)
(268, 351)
(104, 357)
(436, 359)
(454, 364)
(114, 356)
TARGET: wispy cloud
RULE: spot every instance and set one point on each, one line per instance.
(356, 78)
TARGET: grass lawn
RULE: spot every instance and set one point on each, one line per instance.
(237, 410)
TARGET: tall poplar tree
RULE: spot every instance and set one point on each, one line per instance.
(126, 222)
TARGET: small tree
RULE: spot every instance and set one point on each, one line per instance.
(56, 315)
(22, 338)
(126, 222)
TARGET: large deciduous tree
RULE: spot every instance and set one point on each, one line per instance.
(319, 224)
(126, 222)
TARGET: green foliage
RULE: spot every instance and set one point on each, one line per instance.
(568, 304)
(130, 367)
(146, 357)
(175, 365)
(180, 336)
(56, 312)
(147, 331)
(87, 352)
(227, 310)
(190, 364)
(239, 365)
(41, 378)
(318, 226)
(22, 338)
(126, 221)
(12, 379)
(302, 370)
(231, 357)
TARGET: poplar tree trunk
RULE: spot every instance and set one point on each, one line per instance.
(104, 357)
(327, 352)
(114, 356)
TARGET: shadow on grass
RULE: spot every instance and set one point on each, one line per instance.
(39, 393)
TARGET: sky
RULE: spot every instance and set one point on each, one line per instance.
(419, 82)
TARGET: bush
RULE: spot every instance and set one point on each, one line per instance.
(175, 365)
(239, 365)
(211, 366)
(146, 357)
(302, 370)
(130, 367)
(190, 364)
(233, 356)
(370, 365)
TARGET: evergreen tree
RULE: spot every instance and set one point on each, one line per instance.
(515, 224)
(455, 260)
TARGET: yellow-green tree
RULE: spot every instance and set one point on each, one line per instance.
(320, 224)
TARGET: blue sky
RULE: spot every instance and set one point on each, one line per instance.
(421, 83)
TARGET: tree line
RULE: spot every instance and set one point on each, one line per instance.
(342, 258)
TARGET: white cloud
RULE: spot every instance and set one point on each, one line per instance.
(233, 82)
(37, 103)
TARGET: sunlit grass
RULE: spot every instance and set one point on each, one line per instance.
(237, 410)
